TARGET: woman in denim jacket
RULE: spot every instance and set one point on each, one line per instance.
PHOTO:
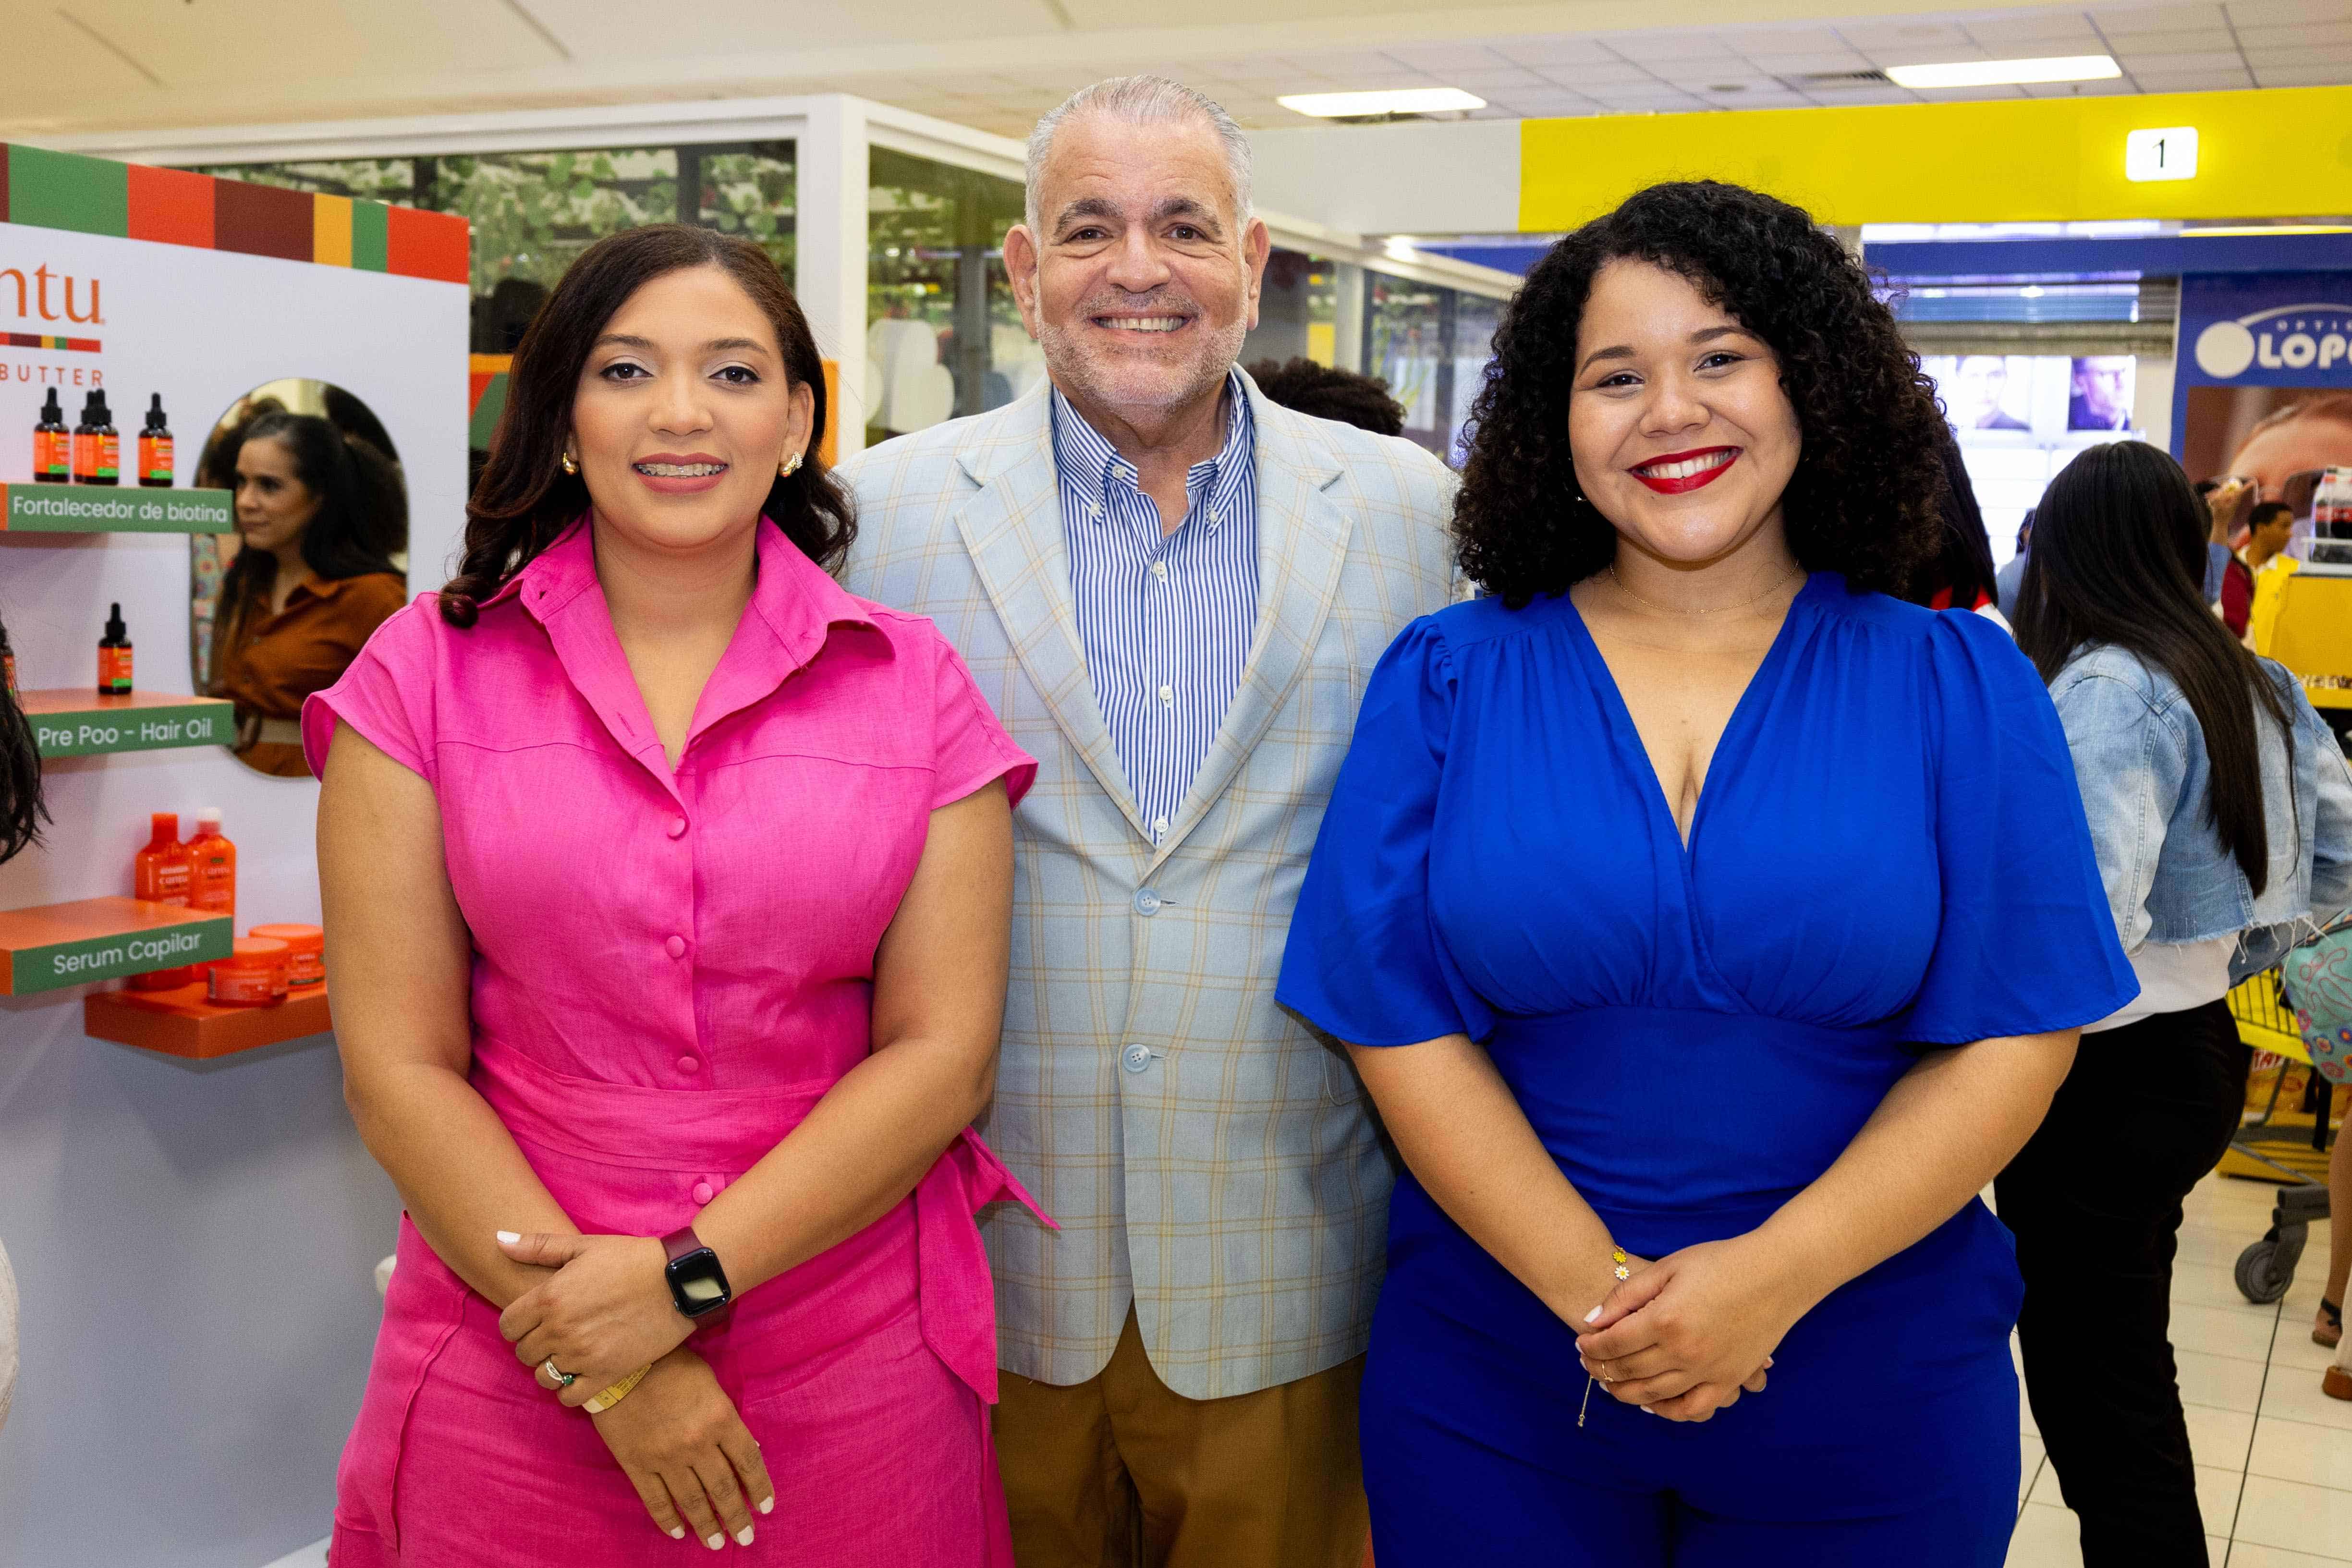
(2222, 813)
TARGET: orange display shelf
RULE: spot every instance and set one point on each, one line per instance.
(181, 1022)
(52, 946)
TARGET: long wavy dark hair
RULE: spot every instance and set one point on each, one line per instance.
(361, 520)
(22, 810)
(524, 500)
(1864, 499)
(2118, 558)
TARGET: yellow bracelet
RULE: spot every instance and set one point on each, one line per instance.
(618, 1392)
(1617, 1263)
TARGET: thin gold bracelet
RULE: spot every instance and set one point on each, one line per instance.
(618, 1392)
(1623, 1270)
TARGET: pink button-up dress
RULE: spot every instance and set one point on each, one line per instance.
(669, 970)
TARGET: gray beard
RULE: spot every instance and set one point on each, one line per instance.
(1075, 375)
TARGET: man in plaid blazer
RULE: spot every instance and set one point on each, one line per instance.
(1146, 550)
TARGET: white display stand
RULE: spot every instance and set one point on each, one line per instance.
(194, 1240)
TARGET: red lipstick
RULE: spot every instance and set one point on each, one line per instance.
(1714, 462)
(677, 484)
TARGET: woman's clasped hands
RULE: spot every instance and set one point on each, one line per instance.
(1684, 1336)
(604, 1312)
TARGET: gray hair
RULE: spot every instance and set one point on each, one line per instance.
(1142, 100)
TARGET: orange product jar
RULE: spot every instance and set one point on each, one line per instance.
(306, 949)
(252, 975)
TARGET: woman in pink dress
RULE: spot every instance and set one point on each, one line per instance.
(667, 891)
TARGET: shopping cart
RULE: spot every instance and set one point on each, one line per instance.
(2266, 1022)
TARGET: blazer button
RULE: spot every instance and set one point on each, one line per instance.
(1136, 1058)
(1147, 902)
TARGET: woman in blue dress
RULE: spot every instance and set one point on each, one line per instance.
(1691, 898)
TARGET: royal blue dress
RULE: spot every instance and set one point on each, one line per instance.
(1888, 853)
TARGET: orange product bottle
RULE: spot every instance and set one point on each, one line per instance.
(213, 874)
(163, 873)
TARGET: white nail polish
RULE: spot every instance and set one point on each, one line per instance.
(1594, 1313)
(743, 1536)
(768, 1505)
(510, 1237)
(715, 1541)
(678, 1533)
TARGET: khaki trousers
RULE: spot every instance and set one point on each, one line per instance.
(1121, 1472)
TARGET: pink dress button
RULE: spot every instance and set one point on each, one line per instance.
(702, 1193)
(676, 947)
(689, 1065)
(676, 826)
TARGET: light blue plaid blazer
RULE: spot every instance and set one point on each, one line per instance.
(1209, 1157)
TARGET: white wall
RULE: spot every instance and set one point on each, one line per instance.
(1417, 178)
(194, 1241)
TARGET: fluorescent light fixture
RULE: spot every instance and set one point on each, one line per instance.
(2263, 231)
(2007, 73)
(1398, 101)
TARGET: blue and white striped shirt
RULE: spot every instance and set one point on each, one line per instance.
(1165, 622)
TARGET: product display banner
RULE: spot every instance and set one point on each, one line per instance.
(94, 730)
(2252, 344)
(118, 954)
(83, 509)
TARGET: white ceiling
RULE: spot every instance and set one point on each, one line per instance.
(98, 66)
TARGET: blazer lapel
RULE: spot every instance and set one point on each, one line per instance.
(1012, 529)
(1302, 542)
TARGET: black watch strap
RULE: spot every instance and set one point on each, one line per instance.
(697, 1283)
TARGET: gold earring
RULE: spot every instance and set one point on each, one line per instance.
(570, 464)
(792, 466)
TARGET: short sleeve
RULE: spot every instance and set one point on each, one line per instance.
(385, 694)
(1365, 962)
(2025, 943)
(970, 746)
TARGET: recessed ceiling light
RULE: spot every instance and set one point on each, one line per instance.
(1366, 105)
(2005, 73)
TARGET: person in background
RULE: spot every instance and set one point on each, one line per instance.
(2221, 809)
(680, 1125)
(2256, 589)
(1961, 575)
(1328, 393)
(1667, 905)
(1981, 381)
(2220, 501)
(312, 582)
(2011, 574)
(1182, 1356)
(2297, 440)
(22, 812)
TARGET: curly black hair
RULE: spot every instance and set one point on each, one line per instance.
(1864, 499)
(1327, 392)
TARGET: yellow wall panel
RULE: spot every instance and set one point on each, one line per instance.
(2275, 152)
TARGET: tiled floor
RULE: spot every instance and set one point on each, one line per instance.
(2274, 1454)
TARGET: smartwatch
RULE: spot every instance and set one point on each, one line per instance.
(697, 1283)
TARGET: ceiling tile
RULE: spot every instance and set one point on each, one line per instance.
(2308, 36)
(2271, 60)
(1541, 50)
(2303, 76)
(2171, 41)
(2077, 89)
(2213, 60)
(1781, 40)
(2274, 12)
(2023, 27)
(1581, 79)
(1878, 36)
(1554, 100)
(1798, 64)
(1665, 45)
(1881, 55)
(1492, 83)
(2193, 81)
(2156, 18)
(1345, 63)
(1441, 58)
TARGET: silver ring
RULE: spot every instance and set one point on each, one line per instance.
(565, 1379)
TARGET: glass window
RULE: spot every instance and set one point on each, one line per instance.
(750, 190)
(943, 337)
(1432, 345)
(1297, 315)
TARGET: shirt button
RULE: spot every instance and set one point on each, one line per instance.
(675, 947)
(1158, 824)
(1136, 1058)
(676, 826)
(1160, 569)
(689, 1065)
(1147, 903)
(702, 1193)
(1168, 696)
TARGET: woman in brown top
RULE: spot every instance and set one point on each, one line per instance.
(318, 516)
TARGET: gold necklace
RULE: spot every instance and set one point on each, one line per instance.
(1711, 609)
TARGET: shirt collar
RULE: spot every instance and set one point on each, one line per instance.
(1085, 458)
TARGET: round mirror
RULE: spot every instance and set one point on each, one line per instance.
(318, 560)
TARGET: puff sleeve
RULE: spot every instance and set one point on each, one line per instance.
(2025, 943)
(385, 694)
(1365, 962)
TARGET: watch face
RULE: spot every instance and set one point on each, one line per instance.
(698, 1283)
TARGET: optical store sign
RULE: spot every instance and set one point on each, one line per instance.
(2290, 328)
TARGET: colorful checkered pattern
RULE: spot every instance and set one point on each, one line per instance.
(1208, 1157)
(173, 206)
